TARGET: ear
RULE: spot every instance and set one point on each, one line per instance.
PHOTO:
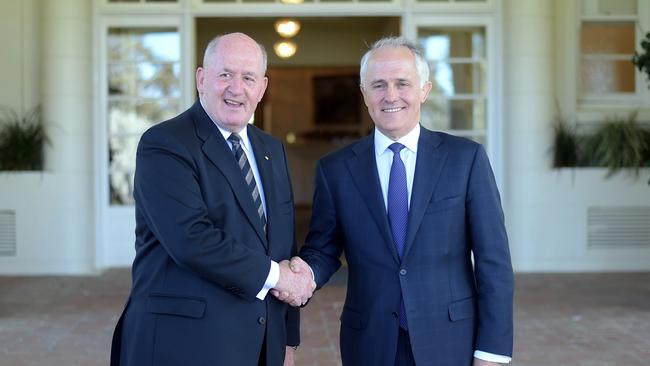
(425, 91)
(365, 96)
(200, 79)
(265, 83)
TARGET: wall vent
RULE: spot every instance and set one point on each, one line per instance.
(7, 233)
(615, 227)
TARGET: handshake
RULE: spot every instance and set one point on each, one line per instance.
(296, 283)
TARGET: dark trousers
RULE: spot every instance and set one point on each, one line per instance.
(404, 356)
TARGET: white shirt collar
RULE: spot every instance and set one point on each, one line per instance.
(410, 140)
(245, 142)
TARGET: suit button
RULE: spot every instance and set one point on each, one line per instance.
(261, 320)
(402, 272)
(395, 315)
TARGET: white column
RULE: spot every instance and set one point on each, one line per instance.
(67, 104)
(529, 107)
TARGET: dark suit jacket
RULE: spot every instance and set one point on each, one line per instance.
(453, 308)
(201, 252)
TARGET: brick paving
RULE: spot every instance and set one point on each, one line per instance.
(560, 320)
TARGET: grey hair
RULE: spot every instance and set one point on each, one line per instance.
(212, 46)
(420, 62)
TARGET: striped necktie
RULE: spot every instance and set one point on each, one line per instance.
(242, 161)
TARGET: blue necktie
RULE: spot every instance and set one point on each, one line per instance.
(398, 211)
(242, 161)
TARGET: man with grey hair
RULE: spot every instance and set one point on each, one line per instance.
(410, 207)
(214, 229)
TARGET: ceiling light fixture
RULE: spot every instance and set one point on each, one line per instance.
(287, 28)
(292, 1)
(285, 49)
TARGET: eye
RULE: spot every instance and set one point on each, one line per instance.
(378, 86)
(404, 84)
(249, 79)
(224, 75)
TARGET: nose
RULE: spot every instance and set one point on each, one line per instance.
(392, 94)
(235, 86)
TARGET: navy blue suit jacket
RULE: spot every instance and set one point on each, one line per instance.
(453, 307)
(201, 252)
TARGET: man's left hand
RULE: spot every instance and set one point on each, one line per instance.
(479, 362)
(289, 356)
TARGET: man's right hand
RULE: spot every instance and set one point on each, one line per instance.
(296, 283)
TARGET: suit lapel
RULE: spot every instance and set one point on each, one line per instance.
(363, 169)
(219, 153)
(428, 166)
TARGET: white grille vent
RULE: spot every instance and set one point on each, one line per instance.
(7, 233)
(618, 227)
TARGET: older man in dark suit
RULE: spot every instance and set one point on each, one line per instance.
(215, 227)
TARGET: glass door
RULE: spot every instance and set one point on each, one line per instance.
(457, 102)
(466, 98)
(141, 85)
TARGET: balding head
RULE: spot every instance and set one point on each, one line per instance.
(228, 38)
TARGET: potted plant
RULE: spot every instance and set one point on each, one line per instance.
(642, 60)
(616, 144)
(620, 143)
(565, 143)
(22, 138)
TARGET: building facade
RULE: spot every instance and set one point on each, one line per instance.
(503, 70)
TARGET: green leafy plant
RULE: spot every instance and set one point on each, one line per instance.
(642, 60)
(620, 143)
(565, 149)
(22, 138)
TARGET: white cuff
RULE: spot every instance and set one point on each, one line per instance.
(492, 357)
(271, 280)
(313, 277)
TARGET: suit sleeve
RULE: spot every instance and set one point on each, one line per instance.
(493, 269)
(293, 313)
(323, 246)
(168, 193)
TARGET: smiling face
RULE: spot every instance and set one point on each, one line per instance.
(392, 92)
(232, 81)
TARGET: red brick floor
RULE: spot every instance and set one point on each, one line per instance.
(560, 320)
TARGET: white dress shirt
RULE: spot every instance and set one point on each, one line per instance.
(274, 272)
(384, 157)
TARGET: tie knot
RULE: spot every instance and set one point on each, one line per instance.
(234, 139)
(396, 147)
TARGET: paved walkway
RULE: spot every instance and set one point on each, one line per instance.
(560, 319)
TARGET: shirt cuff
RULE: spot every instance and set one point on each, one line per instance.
(271, 280)
(313, 277)
(492, 357)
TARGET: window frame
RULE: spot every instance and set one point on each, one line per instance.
(618, 100)
(490, 21)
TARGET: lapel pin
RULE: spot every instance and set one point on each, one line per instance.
(266, 157)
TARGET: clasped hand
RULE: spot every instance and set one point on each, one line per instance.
(296, 283)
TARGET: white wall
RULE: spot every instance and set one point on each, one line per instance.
(51, 66)
(546, 209)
